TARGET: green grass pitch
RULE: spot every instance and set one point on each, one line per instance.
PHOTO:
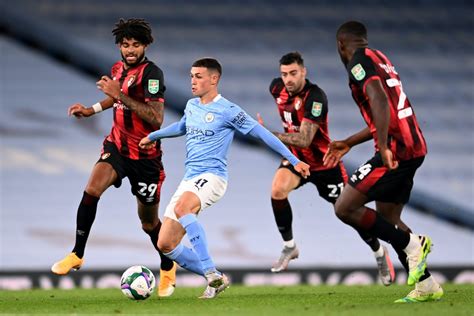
(240, 300)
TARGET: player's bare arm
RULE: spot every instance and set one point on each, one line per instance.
(78, 110)
(301, 139)
(333, 155)
(151, 112)
(381, 114)
(337, 149)
(358, 138)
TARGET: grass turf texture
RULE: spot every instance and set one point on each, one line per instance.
(268, 300)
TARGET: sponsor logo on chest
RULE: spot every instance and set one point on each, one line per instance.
(121, 106)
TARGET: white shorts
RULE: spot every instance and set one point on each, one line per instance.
(207, 186)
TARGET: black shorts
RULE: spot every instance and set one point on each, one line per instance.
(329, 182)
(145, 175)
(379, 184)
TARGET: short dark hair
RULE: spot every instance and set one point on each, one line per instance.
(290, 58)
(138, 29)
(355, 28)
(209, 63)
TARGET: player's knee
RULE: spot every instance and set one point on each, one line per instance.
(93, 191)
(165, 246)
(148, 227)
(178, 213)
(279, 193)
(342, 211)
(181, 210)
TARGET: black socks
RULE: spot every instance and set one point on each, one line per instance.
(283, 218)
(378, 227)
(370, 240)
(85, 218)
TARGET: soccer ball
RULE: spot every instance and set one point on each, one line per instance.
(137, 283)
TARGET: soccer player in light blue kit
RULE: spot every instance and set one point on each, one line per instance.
(209, 122)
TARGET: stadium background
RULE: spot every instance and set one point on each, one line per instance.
(53, 52)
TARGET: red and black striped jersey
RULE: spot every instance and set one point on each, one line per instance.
(404, 134)
(310, 104)
(143, 83)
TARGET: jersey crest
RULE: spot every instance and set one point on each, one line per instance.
(209, 117)
(298, 103)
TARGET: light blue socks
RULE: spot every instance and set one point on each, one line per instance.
(198, 240)
(186, 258)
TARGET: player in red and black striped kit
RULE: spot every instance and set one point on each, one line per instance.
(387, 178)
(303, 108)
(136, 93)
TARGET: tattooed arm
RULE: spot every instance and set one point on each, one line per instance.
(301, 139)
(151, 112)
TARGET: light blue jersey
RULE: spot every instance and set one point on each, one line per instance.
(209, 132)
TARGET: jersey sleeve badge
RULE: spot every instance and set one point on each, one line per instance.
(153, 86)
(358, 72)
(316, 109)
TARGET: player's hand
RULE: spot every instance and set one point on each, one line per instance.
(260, 119)
(336, 150)
(78, 110)
(303, 169)
(387, 158)
(146, 143)
(109, 87)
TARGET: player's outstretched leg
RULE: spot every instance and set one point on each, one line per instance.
(167, 281)
(287, 254)
(68, 263)
(417, 250)
(385, 267)
(216, 284)
(425, 291)
(84, 220)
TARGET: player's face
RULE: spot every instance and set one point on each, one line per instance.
(294, 77)
(132, 51)
(202, 81)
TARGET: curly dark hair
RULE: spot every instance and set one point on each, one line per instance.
(138, 29)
